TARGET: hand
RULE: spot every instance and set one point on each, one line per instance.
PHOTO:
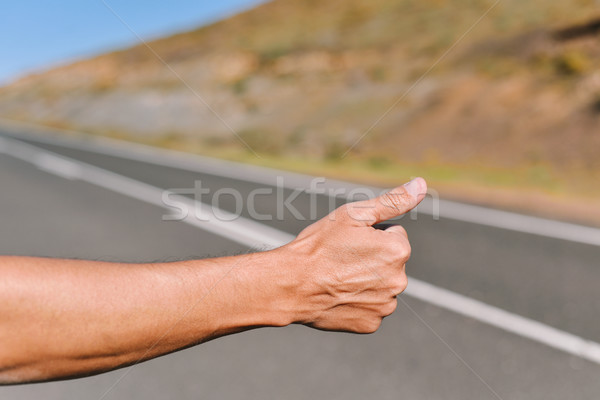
(348, 272)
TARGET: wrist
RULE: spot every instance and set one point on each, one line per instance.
(276, 286)
(249, 291)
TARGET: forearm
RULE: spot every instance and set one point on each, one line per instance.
(65, 318)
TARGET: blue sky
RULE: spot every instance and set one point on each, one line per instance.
(35, 35)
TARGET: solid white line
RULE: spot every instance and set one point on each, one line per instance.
(266, 176)
(513, 221)
(504, 320)
(200, 215)
(57, 166)
(251, 233)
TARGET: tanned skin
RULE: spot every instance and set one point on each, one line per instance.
(63, 319)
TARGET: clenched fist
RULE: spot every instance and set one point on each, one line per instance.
(348, 272)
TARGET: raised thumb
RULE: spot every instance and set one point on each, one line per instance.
(392, 204)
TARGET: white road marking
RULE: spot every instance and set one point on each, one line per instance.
(57, 166)
(504, 320)
(266, 176)
(203, 216)
(252, 233)
(514, 222)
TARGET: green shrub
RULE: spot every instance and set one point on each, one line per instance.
(596, 104)
(335, 150)
(240, 86)
(272, 53)
(378, 74)
(379, 162)
(262, 141)
(572, 63)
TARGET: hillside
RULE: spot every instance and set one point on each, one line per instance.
(515, 105)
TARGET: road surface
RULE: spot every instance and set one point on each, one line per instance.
(527, 295)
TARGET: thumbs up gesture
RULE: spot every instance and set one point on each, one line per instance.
(347, 274)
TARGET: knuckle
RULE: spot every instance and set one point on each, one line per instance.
(402, 252)
(339, 213)
(407, 249)
(343, 209)
(400, 284)
(398, 229)
(389, 307)
(396, 199)
(370, 325)
(345, 212)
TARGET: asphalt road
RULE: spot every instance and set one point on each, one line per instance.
(421, 352)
